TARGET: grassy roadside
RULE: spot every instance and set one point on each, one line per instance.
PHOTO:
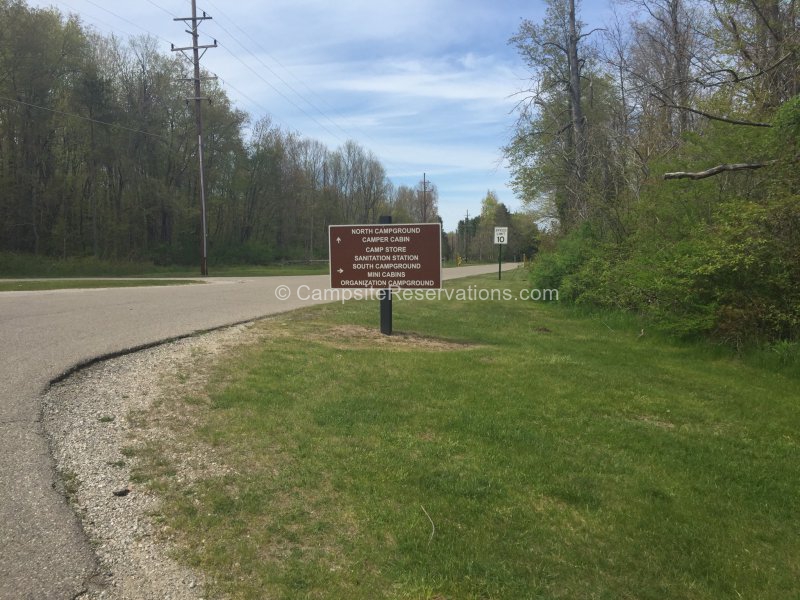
(72, 284)
(493, 450)
(24, 266)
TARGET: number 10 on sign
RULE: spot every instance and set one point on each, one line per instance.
(501, 239)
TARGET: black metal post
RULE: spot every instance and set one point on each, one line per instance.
(386, 295)
(386, 312)
(500, 261)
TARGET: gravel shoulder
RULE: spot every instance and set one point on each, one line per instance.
(92, 420)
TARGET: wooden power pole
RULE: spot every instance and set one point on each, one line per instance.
(193, 23)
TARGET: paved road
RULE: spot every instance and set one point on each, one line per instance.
(43, 551)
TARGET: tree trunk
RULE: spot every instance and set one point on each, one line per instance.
(577, 116)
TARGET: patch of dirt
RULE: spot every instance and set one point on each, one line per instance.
(651, 420)
(354, 336)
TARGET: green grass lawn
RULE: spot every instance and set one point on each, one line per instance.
(512, 450)
(27, 265)
(65, 284)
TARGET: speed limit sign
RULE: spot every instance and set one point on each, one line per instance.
(501, 235)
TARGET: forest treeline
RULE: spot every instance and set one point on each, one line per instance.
(98, 157)
(473, 238)
(663, 149)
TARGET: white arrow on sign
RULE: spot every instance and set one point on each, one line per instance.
(340, 270)
(338, 240)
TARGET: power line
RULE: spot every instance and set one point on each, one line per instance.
(282, 66)
(158, 6)
(118, 16)
(233, 55)
(228, 50)
(76, 116)
(113, 28)
(75, 11)
(228, 84)
(277, 75)
(284, 96)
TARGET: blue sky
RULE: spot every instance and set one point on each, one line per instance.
(427, 85)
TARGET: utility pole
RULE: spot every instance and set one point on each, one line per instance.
(193, 23)
(424, 199)
(466, 236)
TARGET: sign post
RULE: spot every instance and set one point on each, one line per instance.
(501, 239)
(386, 257)
(386, 293)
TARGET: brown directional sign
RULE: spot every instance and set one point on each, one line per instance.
(386, 256)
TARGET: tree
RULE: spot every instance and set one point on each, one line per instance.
(465, 232)
(758, 41)
(708, 83)
(427, 202)
(523, 235)
(550, 152)
(39, 56)
(665, 46)
(733, 63)
(98, 157)
(402, 205)
(484, 238)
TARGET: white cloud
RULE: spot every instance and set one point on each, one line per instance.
(427, 79)
(425, 84)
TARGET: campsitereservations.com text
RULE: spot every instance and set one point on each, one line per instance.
(471, 293)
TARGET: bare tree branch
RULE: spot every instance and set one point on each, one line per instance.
(709, 115)
(736, 78)
(719, 169)
(583, 35)
(765, 20)
(559, 46)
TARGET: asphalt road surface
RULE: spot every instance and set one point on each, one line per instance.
(44, 335)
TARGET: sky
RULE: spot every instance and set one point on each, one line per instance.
(429, 86)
